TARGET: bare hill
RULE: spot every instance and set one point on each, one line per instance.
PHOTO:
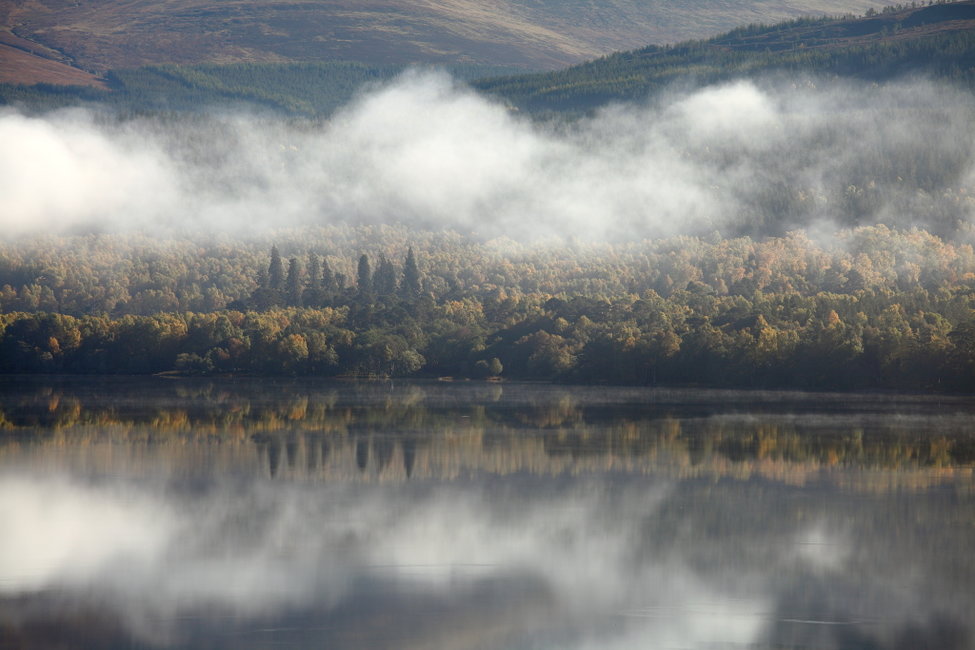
(23, 61)
(99, 35)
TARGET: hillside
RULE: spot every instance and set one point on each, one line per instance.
(26, 62)
(311, 89)
(936, 41)
(59, 42)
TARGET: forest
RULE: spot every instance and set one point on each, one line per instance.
(877, 308)
(935, 41)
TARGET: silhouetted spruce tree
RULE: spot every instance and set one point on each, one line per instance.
(314, 272)
(293, 285)
(364, 277)
(411, 286)
(329, 284)
(269, 284)
(384, 282)
(275, 271)
(312, 295)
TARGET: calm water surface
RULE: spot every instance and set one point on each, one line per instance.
(160, 513)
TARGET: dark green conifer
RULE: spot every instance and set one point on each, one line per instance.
(294, 283)
(364, 277)
(329, 285)
(384, 281)
(314, 272)
(313, 295)
(275, 271)
(412, 284)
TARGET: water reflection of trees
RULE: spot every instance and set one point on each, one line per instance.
(386, 431)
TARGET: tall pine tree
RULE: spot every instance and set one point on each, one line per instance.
(412, 285)
(312, 296)
(275, 271)
(314, 272)
(364, 277)
(329, 285)
(384, 282)
(293, 285)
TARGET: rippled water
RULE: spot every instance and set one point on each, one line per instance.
(253, 514)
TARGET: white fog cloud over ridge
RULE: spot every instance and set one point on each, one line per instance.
(428, 152)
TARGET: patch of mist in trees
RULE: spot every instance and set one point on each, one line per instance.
(747, 157)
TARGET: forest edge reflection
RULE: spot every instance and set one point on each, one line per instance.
(408, 515)
(400, 430)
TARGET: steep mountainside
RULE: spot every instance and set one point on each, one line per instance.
(98, 35)
(934, 40)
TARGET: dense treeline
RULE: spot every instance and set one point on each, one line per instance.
(878, 47)
(879, 308)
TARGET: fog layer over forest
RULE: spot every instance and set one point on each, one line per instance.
(758, 158)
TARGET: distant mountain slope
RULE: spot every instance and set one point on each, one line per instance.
(23, 61)
(297, 89)
(98, 35)
(936, 40)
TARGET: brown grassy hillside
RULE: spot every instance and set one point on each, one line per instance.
(98, 35)
(23, 61)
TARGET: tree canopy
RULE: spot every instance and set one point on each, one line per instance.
(878, 308)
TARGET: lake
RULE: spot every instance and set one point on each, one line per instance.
(197, 513)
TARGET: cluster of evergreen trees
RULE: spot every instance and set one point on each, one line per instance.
(317, 285)
(879, 309)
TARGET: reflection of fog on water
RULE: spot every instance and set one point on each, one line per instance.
(601, 562)
(403, 540)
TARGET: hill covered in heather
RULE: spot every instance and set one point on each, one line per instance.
(931, 41)
(57, 42)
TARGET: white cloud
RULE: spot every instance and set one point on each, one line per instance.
(425, 151)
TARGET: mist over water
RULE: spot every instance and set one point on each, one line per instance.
(600, 562)
(743, 157)
(533, 517)
(262, 551)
